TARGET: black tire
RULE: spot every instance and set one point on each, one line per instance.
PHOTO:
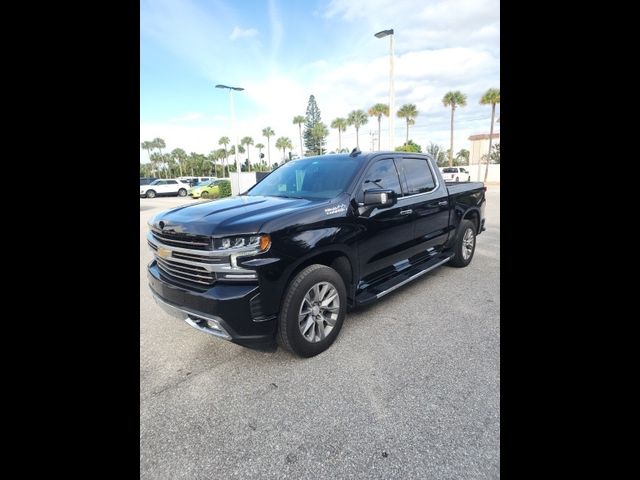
(289, 335)
(150, 194)
(457, 179)
(182, 192)
(459, 259)
(204, 195)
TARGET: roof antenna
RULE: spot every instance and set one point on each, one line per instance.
(355, 152)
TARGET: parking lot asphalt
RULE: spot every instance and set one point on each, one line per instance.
(410, 389)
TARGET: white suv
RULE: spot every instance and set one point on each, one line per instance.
(455, 174)
(169, 186)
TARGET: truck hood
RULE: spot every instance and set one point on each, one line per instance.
(234, 215)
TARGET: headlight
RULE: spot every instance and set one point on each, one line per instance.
(244, 243)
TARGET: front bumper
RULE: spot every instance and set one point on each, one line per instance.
(226, 311)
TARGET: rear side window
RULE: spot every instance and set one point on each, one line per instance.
(382, 174)
(417, 175)
(172, 182)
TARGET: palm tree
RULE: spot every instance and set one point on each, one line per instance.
(357, 118)
(299, 120)
(462, 157)
(319, 132)
(179, 155)
(247, 141)
(341, 125)
(268, 132)
(284, 143)
(378, 110)
(453, 100)
(491, 96)
(159, 144)
(409, 112)
(225, 141)
(259, 146)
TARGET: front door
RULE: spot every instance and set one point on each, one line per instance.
(387, 233)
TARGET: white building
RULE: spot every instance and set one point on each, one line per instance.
(480, 146)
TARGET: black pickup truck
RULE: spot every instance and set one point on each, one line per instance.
(283, 261)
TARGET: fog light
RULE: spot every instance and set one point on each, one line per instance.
(214, 324)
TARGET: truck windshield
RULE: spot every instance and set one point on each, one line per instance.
(314, 177)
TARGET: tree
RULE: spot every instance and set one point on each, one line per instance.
(312, 118)
(299, 120)
(159, 144)
(453, 100)
(410, 147)
(409, 112)
(284, 143)
(247, 141)
(462, 157)
(495, 155)
(492, 97)
(259, 146)
(179, 156)
(357, 118)
(268, 132)
(378, 110)
(319, 133)
(225, 141)
(341, 125)
(148, 146)
(437, 153)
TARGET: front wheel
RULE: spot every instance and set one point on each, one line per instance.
(313, 311)
(150, 194)
(182, 192)
(457, 179)
(204, 195)
(465, 245)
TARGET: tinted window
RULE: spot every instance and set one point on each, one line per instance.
(449, 170)
(417, 175)
(382, 174)
(171, 182)
(463, 170)
(313, 177)
(158, 182)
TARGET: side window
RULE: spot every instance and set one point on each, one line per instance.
(463, 170)
(382, 174)
(161, 182)
(171, 182)
(417, 175)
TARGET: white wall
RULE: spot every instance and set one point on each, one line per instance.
(247, 180)
(493, 176)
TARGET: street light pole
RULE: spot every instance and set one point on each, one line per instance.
(234, 129)
(383, 34)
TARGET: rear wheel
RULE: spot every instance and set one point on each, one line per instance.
(182, 192)
(204, 195)
(465, 245)
(150, 194)
(313, 311)
(457, 179)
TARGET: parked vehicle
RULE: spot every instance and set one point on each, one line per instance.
(164, 187)
(192, 181)
(206, 189)
(146, 180)
(455, 174)
(282, 262)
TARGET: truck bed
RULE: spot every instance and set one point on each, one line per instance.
(456, 188)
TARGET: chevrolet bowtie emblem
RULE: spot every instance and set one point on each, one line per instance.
(164, 252)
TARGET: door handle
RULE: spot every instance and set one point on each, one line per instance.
(406, 212)
(443, 203)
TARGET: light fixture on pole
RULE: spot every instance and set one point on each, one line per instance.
(233, 128)
(383, 34)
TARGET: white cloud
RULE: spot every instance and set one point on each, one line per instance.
(242, 33)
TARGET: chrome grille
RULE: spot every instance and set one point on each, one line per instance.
(186, 272)
(184, 240)
(203, 268)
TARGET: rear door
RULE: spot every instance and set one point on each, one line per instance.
(387, 233)
(171, 187)
(428, 199)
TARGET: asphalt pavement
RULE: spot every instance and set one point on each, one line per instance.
(410, 389)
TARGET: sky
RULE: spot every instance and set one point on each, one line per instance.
(283, 51)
